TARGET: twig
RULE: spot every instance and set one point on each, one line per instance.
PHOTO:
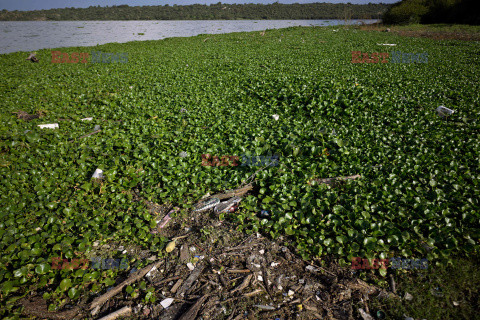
(238, 271)
(166, 280)
(242, 247)
(125, 311)
(392, 284)
(253, 293)
(176, 286)
(86, 135)
(191, 314)
(244, 283)
(98, 302)
(186, 286)
(237, 192)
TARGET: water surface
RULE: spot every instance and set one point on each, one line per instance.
(34, 35)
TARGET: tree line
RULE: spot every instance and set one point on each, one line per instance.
(433, 11)
(219, 11)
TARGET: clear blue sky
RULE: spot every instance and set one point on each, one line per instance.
(49, 4)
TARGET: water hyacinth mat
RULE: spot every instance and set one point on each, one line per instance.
(418, 195)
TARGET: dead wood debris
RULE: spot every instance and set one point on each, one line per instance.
(27, 117)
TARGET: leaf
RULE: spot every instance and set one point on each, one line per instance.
(42, 268)
(65, 284)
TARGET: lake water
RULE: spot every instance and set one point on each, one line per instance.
(34, 35)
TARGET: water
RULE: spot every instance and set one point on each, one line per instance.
(35, 35)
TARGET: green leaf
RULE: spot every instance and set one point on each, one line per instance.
(65, 284)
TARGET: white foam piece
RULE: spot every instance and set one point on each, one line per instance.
(48, 126)
(98, 174)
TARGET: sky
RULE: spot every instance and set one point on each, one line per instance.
(50, 4)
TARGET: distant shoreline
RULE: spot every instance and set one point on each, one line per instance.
(276, 11)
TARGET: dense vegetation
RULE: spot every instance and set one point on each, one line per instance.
(433, 11)
(217, 11)
(418, 196)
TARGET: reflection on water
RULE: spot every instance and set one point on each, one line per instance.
(35, 35)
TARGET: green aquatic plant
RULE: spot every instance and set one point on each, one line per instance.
(418, 196)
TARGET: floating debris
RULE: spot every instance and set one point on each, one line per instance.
(167, 302)
(32, 57)
(207, 204)
(49, 126)
(98, 174)
(444, 112)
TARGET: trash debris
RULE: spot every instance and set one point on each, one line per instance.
(264, 307)
(207, 204)
(276, 117)
(190, 266)
(380, 314)
(98, 174)
(149, 274)
(299, 307)
(264, 214)
(456, 304)
(365, 315)
(25, 116)
(444, 112)
(408, 296)
(387, 30)
(290, 293)
(387, 44)
(48, 126)
(332, 182)
(226, 205)
(167, 302)
(162, 223)
(125, 311)
(87, 119)
(437, 292)
(32, 57)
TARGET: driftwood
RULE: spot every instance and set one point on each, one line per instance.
(125, 311)
(244, 284)
(191, 314)
(98, 302)
(232, 193)
(187, 285)
(333, 182)
(27, 117)
(36, 306)
(32, 57)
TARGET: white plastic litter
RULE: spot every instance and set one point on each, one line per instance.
(190, 266)
(87, 119)
(443, 112)
(166, 302)
(98, 174)
(386, 44)
(49, 126)
(149, 274)
(276, 117)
